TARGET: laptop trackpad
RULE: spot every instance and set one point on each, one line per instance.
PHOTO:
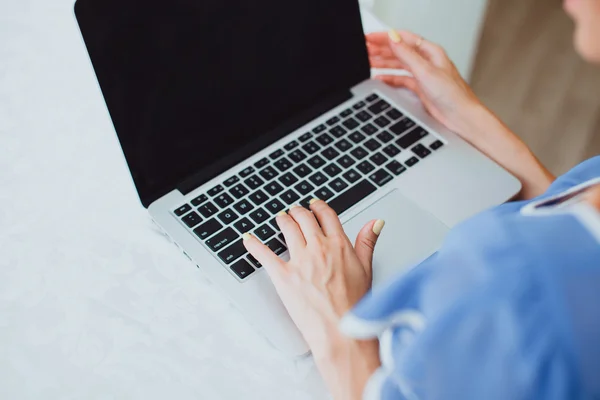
(411, 234)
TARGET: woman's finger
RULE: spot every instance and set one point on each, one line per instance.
(307, 222)
(386, 63)
(365, 244)
(291, 231)
(377, 38)
(414, 61)
(327, 217)
(429, 50)
(272, 263)
(400, 81)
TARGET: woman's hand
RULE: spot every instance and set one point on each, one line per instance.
(325, 277)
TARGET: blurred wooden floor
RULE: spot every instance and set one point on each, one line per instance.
(527, 71)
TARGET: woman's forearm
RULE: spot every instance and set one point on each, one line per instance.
(493, 138)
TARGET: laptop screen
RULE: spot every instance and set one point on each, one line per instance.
(192, 83)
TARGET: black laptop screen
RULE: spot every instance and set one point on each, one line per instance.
(188, 83)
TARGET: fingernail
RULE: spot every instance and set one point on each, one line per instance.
(378, 226)
(295, 206)
(313, 201)
(247, 236)
(281, 213)
(394, 36)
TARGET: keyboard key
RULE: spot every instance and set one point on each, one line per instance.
(276, 154)
(274, 206)
(244, 225)
(372, 144)
(379, 107)
(385, 137)
(343, 145)
(259, 215)
(227, 216)
(207, 209)
(182, 210)
(283, 164)
(253, 261)
(243, 207)
(291, 145)
(382, 122)
(302, 170)
(208, 228)
(346, 112)
(254, 182)
(319, 129)
(395, 167)
(264, 232)
(316, 162)
(297, 156)
(372, 98)
(231, 181)
(258, 197)
(394, 114)
(359, 105)
(192, 219)
(324, 139)
(273, 188)
(324, 194)
(338, 131)
(365, 167)
(276, 246)
(222, 239)
(268, 173)
(246, 172)
(411, 138)
(242, 269)
(199, 200)
(288, 179)
(402, 126)
(281, 237)
(274, 223)
(330, 153)
(359, 153)
(346, 161)
(311, 147)
(351, 176)
(332, 121)
(363, 116)
(350, 123)
(338, 185)
(216, 190)
(332, 170)
(223, 200)
(381, 177)
(356, 137)
(378, 158)
(233, 252)
(289, 197)
(261, 163)
(352, 196)
(434, 146)
(239, 191)
(412, 161)
(391, 150)
(304, 188)
(318, 179)
(305, 202)
(421, 151)
(369, 129)
(305, 137)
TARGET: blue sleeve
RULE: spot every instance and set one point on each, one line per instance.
(583, 172)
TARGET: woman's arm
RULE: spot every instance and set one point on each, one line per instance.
(449, 99)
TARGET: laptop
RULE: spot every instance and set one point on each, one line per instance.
(231, 111)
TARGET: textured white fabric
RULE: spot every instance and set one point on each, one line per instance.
(94, 302)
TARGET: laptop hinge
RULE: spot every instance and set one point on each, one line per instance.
(193, 182)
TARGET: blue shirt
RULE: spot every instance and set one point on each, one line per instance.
(508, 308)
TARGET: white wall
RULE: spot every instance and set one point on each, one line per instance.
(455, 24)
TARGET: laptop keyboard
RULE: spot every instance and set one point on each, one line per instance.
(341, 161)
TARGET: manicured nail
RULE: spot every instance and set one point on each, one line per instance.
(394, 36)
(295, 206)
(313, 201)
(281, 213)
(247, 236)
(378, 226)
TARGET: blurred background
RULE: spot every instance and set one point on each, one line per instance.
(519, 57)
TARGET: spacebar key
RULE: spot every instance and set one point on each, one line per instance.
(352, 196)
